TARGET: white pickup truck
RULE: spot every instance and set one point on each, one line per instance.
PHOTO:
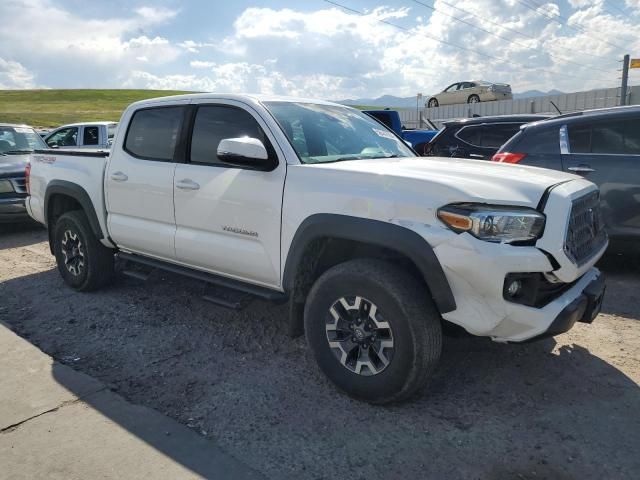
(320, 206)
(97, 135)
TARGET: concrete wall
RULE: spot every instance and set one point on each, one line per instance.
(571, 102)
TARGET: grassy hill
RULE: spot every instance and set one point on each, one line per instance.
(51, 108)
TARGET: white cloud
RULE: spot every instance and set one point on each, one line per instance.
(14, 75)
(49, 37)
(201, 64)
(328, 53)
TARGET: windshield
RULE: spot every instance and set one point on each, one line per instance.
(329, 133)
(16, 140)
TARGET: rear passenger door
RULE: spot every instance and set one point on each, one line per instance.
(228, 217)
(608, 154)
(139, 181)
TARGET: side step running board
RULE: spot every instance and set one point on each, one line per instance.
(230, 283)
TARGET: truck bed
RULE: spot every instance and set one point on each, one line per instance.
(58, 171)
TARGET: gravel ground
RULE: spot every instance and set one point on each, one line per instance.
(561, 408)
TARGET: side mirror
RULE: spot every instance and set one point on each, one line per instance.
(245, 152)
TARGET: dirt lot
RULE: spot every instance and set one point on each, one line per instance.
(561, 408)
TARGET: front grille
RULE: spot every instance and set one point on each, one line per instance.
(585, 235)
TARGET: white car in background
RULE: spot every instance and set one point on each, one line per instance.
(475, 91)
(82, 135)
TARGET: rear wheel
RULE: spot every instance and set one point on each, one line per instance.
(473, 99)
(84, 263)
(373, 330)
(433, 102)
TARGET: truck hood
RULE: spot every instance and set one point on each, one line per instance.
(12, 164)
(459, 180)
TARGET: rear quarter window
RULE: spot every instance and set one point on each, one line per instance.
(471, 134)
(495, 135)
(545, 141)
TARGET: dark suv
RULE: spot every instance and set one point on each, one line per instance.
(603, 146)
(16, 144)
(477, 138)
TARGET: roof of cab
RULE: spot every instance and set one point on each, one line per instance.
(498, 119)
(241, 97)
(600, 113)
(79, 124)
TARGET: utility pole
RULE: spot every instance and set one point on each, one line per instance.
(419, 118)
(625, 80)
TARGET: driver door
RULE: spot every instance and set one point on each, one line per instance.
(228, 217)
(448, 96)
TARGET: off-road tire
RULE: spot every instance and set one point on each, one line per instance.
(407, 307)
(97, 260)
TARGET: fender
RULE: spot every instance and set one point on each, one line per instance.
(378, 233)
(80, 195)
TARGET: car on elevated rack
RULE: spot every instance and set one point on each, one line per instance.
(478, 138)
(475, 91)
(321, 206)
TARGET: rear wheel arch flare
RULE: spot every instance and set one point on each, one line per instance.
(61, 197)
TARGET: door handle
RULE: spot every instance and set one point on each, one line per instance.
(581, 169)
(476, 155)
(187, 184)
(119, 177)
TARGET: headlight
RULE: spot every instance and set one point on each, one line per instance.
(494, 223)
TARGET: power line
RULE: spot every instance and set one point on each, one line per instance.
(618, 10)
(404, 29)
(504, 38)
(565, 21)
(386, 22)
(512, 30)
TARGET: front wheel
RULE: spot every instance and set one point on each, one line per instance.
(473, 99)
(373, 330)
(433, 103)
(84, 263)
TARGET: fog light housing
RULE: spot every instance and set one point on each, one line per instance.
(514, 288)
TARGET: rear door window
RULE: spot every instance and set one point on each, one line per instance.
(153, 133)
(614, 138)
(632, 137)
(580, 138)
(90, 136)
(608, 138)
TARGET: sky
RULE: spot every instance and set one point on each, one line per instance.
(315, 48)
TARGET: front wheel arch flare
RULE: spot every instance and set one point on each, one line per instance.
(376, 233)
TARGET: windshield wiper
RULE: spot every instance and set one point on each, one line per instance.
(17, 152)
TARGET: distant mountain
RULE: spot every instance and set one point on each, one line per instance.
(536, 93)
(410, 102)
